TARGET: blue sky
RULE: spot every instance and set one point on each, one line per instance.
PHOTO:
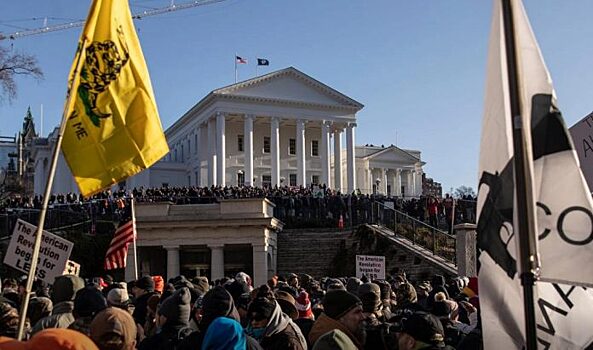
(417, 66)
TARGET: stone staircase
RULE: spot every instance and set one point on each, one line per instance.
(310, 251)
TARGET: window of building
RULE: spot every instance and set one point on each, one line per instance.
(182, 156)
(240, 178)
(195, 143)
(292, 180)
(240, 143)
(315, 148)
(315, 179)
(266, 144)
(266, 180)
(292, 147)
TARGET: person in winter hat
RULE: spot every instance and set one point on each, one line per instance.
(114, 329)
(172, 321)
(61, 339)
(421, 331)
(306, 318)
(287, 304)
(224, 333)
(334, 340)
(272, 328)
(87, 303)
(343, 311)
(64, 290)
(216, 303)
(142, 290)
(39, 307)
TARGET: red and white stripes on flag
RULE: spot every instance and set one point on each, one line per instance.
(118, 248)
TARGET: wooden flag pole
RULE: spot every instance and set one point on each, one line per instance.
(47, 194)
(528, 258)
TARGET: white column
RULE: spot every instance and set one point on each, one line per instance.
(414, 190)
(260, 264)
(350, 157)
(216, 261)
(398, 182)
(338, 159)
(275, 150)
(325, 152)
(129, 273)
(220, 149)
(198, 147)
(248, 148)
(203, 152)
(384, 181)
(211, 152)
(172, 261)
(370, 180)
(300, 152)
(419, 182)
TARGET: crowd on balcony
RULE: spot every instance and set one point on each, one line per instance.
(315, 206)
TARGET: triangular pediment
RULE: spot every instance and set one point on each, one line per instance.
(392, 154)
(289, 85)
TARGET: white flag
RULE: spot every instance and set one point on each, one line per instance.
(564, 206)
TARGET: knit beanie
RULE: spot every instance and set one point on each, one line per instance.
(88, 302)
(201, 285)
(65, 288)
(113, 323)
(339, 302)
(303, 305)
(176, 308)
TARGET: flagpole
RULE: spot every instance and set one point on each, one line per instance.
(134, 235)
(528, 257)
(236, 68)
(47, 194)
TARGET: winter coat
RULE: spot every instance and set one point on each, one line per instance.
(61, 317)
(167, 339)
(140, 308)
(282, 333)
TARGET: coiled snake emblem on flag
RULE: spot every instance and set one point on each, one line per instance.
(102, 65)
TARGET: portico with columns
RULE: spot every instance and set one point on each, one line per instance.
(283, 128)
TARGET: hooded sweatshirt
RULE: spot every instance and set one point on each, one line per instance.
(282, 333)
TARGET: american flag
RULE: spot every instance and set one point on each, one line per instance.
(118, 248)
(239, 59)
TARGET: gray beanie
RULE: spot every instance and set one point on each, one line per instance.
(176, 308)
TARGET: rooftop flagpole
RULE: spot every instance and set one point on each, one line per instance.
(528, 257)
(48, 186)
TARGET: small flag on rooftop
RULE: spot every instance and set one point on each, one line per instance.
(263, 62)
(241, 60)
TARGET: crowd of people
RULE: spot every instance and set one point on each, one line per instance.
(312, 206)
(289, 312)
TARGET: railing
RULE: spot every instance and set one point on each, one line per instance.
(437, 241)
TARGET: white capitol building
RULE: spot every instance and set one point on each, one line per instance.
(282, 128)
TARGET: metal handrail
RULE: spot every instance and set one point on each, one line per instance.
(437, 241)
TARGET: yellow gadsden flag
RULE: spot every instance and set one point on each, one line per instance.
(113, 128)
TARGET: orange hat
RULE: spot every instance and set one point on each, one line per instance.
(159, 283)
(7, 343)
(61, 339)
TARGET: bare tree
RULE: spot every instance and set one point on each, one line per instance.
(12, 65)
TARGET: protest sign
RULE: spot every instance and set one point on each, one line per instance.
(72, 268)
(371, 266)
(53, 254)
(582, 136)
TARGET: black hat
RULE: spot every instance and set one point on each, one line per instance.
(261, 308)
(441, 309)
(146, 283)
(88, 302)
(424, 327)
(176, 308)
(339, 302)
